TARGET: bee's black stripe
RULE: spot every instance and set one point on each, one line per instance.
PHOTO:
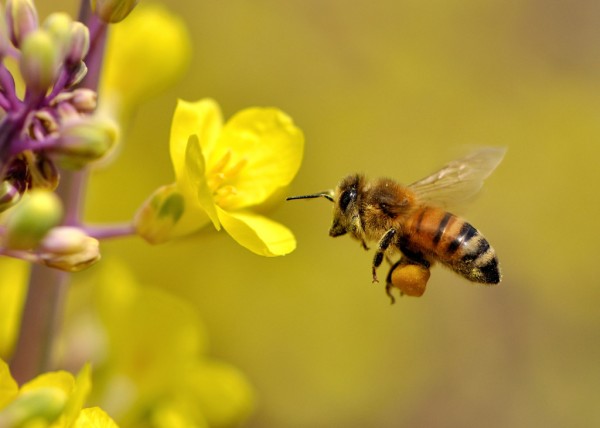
(466, 233)
(482, 246)
(441, 228)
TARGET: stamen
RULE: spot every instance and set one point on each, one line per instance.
(222, 163)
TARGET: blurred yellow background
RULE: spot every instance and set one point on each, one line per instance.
(395, 88)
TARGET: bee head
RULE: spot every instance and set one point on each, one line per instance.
(345, 212)
(345, 209)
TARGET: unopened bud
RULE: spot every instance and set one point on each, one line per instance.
(69, 249)
(36, 407)
(31, 219)
(39, 61)
(84, 140)
(58, 25)
(84, 100)
(158, 216)
(79, 43)
(9, 195)
(112, 11)
(22, 19)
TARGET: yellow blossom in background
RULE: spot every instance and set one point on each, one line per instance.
(13, 288)
(145, 54)
(224, 172)
(53, 400)
(154, 369)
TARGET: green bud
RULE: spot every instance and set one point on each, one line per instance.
(157, 217)
(79, 43)
(59, 26)
(31, 219)
(35, 407)
(84, 140)
(69, 249)
(113, 11)
(22, 19)
(39, 61)
(9, 195)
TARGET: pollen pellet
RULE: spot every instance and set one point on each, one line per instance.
(411, 279)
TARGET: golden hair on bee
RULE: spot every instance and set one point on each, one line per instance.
(412, 221)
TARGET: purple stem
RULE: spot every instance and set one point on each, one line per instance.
(110, 231)
(8, 84)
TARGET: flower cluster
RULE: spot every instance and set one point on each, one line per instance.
(47, 125)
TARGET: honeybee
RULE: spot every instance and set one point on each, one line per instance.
(412, 221)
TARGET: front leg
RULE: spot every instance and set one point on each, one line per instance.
(382, 246)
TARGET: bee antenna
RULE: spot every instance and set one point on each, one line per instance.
(327, 194)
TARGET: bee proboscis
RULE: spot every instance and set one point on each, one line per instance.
(413, 221)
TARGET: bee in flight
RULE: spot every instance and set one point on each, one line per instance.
(412, 220)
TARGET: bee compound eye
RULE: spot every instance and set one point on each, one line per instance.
(347, 197)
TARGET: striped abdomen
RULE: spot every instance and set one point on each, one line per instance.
(451, 240)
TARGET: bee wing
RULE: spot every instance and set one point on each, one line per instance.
(459, 180)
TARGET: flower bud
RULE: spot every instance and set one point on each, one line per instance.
(36, 407)
(113, 11)
(157, 217)
(31, 219)
(58, 25)
(84, 140)
(22, 19)
(39, 61)
(9, 195)
(69, 249)
(79, 43)
(84, 100)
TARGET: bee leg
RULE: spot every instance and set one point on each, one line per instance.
(409, 276)
(382, 246)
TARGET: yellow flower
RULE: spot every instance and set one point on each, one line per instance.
(226, 172)
(53, 399)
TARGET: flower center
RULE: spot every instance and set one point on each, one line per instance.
(222, 177)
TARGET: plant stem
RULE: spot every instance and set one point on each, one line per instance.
(41, 320)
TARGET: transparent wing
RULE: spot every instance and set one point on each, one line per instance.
(459, 180)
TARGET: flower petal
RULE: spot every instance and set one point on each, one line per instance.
(272, 146)
(257, 233)
(194, 179)
(201, 118)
